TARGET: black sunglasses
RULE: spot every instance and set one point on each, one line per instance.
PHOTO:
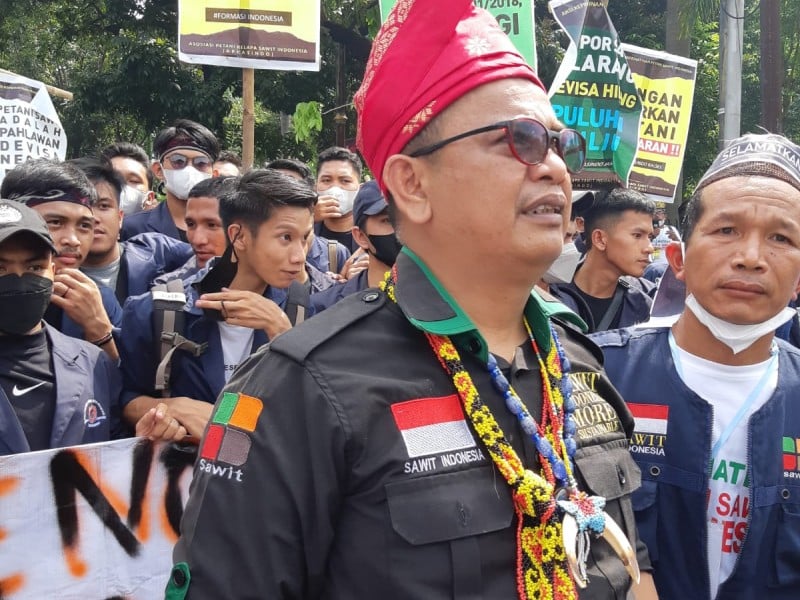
(529, 141)
(179, 161)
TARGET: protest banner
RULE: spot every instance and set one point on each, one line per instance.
(594, 92)
(92, 522)
(29, 124)
(256, 34)
(515, 17)
(666, 87)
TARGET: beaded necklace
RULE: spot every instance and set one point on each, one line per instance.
(542, 570)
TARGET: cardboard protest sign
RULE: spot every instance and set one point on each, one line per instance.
(666, 87)
(515, 18)
(594, 92)
(29, 124)
(255, 34)
(96, 521)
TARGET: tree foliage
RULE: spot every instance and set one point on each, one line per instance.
(119, 59)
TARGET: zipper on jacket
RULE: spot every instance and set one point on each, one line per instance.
(709, 469)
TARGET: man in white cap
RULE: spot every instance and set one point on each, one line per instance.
(717, 432)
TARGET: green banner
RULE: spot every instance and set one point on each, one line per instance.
(515, 17)
(595, 93)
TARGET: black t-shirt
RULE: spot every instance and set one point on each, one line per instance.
(28, 380)
(343, 237)
(598, 307)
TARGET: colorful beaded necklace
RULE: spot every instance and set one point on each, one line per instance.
(542, 570)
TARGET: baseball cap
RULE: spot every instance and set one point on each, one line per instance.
(369, 202)
(15, 217)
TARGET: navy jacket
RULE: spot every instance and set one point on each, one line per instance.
(327, 298)
(318, 254)
(145, 257)
(635, 307)
(200, 378)
(670, 506)
(85, 377)
(158, 220)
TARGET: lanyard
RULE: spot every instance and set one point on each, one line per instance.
(772, 365)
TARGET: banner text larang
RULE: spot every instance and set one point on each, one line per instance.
(665, 83)
(594, 92)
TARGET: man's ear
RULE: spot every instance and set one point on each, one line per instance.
(361, 238)
(674, 253)
(599, 239)
(237, 234)
(157, 169)
(405, 178)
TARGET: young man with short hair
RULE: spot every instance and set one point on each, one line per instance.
(327, 256)
(55, 390)
(64, 197)
(338, 178)
(607, 290)
(228, 164)
(204, 227)
(185, 154)
(375, 235)
(132, 162)
(231, 309)
(128, 267)
(715, 395)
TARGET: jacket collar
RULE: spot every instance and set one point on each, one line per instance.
(430, 307)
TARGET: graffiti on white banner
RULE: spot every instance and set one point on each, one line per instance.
(29, 124)
(94, 521)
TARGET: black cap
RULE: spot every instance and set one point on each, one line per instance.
(15, 217)
(369, 202)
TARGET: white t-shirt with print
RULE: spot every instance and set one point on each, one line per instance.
(236, 344)
(726, 388)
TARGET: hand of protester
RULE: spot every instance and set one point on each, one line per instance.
(192, 414)
(79, 297)
(158, 424)
(358, 261)
(150, 201)
(327, 207)
(247, 309)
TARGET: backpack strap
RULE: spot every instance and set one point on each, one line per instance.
(612, 309)
(333, 256)
(168, 320)
(297, 301)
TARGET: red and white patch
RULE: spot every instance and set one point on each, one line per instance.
(650, 418)
(432, 425)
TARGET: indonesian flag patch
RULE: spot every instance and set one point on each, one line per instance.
(650, 418)
(432, 425)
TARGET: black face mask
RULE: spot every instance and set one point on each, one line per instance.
(221, 275)
(23, 300)
(387, 247)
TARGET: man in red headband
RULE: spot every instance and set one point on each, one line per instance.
(426, 440)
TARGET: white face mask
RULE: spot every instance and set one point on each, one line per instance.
(180, 183)
(563, 268)
(344, 197)
(737, 337)
(131, 200)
